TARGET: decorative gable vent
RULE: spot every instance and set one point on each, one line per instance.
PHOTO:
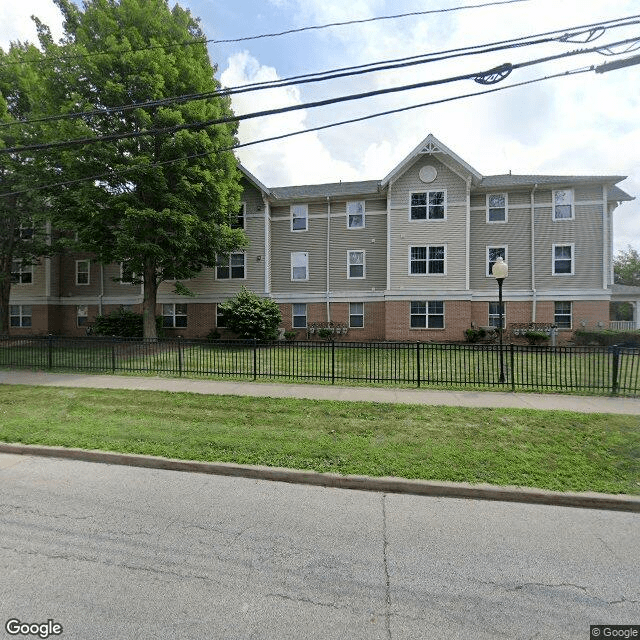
(432, 148)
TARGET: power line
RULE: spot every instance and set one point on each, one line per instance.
(490, 76)
(581, 33)
(280, 33)
(121, 172)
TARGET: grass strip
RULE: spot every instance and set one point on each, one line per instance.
(556, 450)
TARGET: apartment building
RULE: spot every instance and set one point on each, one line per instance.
(405, 257)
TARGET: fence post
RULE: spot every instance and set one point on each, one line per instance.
(255, 359)
(180, 355)
(418, 362)
(113, 356)
(615, 370)
(512, 367)
(50, 351)
(333, 362)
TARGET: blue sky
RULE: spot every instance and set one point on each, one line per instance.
(585, 124)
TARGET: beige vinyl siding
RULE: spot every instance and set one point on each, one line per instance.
(372, 239)
(284, 242)
(36, 288)
(514, 234)
(584, 232)
(406, 233)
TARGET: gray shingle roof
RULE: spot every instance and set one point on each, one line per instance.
(333, 189)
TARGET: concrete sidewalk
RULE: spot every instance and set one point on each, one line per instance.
(478, 399)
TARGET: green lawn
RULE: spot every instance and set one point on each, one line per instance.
(561, 451)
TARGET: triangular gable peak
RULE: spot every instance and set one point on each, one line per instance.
(251, 178)
(432, 146)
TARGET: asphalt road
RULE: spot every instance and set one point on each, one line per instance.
(116, 552)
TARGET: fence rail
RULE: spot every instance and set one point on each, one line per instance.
(593, 369)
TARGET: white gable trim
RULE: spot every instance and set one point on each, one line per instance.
(431, 146)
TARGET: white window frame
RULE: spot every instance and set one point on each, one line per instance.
(488, 257)
(360, 212)
(79, 272)
(296, 258)
(493, 319)
(490, 208)
(429, 313)
(175, 310)
(229, 266)
(219, 316)
(428, 205)
(564, 315)
(82, 315)
(571, 205)
(21, 274)
(299, 212)
(295, 315)
(553, 259)
(356, 264)
(356, 310)
(123, 275)
(239, 220)
(22, 312)
(428, 260)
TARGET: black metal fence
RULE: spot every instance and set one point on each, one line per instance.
(512, 367)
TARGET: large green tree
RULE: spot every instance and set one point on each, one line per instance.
(24, 236)
(626, 267)
(161, 202)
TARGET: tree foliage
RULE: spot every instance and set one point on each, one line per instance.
(163, 201)
(250, 316)
(626, 267)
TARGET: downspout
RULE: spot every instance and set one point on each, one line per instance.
(101, 296)
(468, 236)
(267, 245)
(389, 236)
(605, 239)
(534, 300)
(328, 258)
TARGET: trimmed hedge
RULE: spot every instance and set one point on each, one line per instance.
(606, 337)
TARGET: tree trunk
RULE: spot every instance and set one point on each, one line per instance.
(150, 290)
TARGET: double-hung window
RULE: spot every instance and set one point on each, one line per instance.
(237, 220)
(299, 217)
(355, 264)
(82, 315)
(355, 214)
(428, 205)
(496, 207)
(356, 315)
(20, 315)
(426, 314)
(174, 315)
(428, 260)
(563, 260)
(220, 320)
(494, 315)
(563, 204)
(562, 315)
(21, 274)
(299, 315)
(493, 253)
(233, 268)
(82, 271)
(299, 266)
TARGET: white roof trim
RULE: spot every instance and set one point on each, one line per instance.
(253, 179)
(430, 145)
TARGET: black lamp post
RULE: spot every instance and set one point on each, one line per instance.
(500, 271)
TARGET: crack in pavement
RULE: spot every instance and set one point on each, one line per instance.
(385, 544)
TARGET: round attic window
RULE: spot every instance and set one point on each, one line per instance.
(427, 173)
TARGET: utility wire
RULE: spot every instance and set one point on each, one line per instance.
(119, 173)
(582, 33)
(280, 33)
(490, 76)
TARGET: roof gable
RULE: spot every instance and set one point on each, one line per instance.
(251, 178)
(432, 146)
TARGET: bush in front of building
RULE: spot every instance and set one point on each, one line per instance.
(121, 323)
(250, 316)
(606, 337)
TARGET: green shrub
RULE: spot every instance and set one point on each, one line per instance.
(123, 324)
(606, 337)
(473, 335)
(250, 316)
(325, 333)
(536, 337)
(290, 335)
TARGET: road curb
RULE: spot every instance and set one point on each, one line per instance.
(363, 483)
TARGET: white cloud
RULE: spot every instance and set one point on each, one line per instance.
(15, 23)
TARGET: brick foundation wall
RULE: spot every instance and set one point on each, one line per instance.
(457, 319)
